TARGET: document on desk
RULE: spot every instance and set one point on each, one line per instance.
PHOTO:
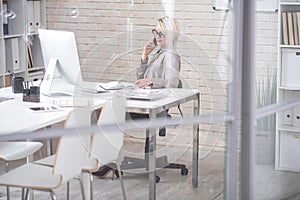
(44, 108)
(116, 85)
(146, 94)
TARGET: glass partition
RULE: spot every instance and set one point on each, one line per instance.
(111, 36)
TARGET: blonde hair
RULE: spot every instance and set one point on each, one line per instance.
(169, 25)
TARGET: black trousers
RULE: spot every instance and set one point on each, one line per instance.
(162, 115)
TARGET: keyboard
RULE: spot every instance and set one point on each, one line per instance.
(104, 87)
(90, 87)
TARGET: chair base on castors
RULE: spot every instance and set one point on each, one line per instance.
(161, 162)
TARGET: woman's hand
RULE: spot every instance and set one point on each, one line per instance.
(143, 83)
(148, 48)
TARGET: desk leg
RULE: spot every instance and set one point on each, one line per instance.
(195, 144)
(49, 144)
(152, 160)
(87, 185)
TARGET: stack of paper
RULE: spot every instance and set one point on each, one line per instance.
(147, 94)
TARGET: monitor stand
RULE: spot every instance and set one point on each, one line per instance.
(52, 86)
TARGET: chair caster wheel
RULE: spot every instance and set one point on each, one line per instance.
(157, 179)
(184, 171)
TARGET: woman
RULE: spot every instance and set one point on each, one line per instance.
(162, 70)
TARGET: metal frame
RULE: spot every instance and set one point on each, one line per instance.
(241, 93)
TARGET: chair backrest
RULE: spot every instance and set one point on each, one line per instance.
(69, 157)
(179, 84)
(106, 145)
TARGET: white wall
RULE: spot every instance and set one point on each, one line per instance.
(107, 29)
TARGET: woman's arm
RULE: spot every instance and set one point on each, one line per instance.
(148, 48)
(140, 71)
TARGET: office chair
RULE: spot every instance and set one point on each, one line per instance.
(161, 162)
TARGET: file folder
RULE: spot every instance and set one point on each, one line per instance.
(296, 116)
(12, 54)
(37, 15)
(288, 113)
(30, 16)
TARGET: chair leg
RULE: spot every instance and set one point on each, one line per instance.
(22, 193)
(91, 186)
(68, 190)
(27, 194)
(121, 179)
(81, 187)
(7, 188)
(52, 194)
(7, 193)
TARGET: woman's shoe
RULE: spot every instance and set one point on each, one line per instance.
(104, 171)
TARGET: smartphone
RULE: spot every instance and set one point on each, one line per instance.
(154, 42)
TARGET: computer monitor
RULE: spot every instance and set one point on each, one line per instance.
(61, 60)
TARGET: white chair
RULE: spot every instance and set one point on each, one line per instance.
(104, 146)
(45, 178)
(13, 151)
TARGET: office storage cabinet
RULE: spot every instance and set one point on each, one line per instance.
(290, 62)
(19, 46)
(289, 152)
(288, 84)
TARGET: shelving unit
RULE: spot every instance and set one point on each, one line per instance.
(288, 122)
(20, 20)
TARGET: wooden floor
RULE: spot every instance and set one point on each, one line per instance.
(171, 186)
(269, 183)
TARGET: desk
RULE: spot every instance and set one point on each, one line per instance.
(177, 96)
(18, 118)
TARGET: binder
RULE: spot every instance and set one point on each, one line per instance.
(284, 28)
(295, 26)
(37, 15)
(12, 54)
(290, 28)
(30, 16)
(296, 116)
(298, 24)
(288, 113)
